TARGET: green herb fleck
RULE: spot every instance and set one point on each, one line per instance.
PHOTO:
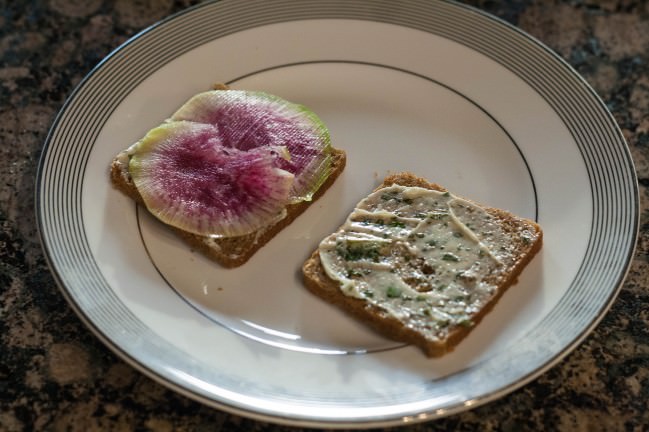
(466, 323)
(397, 224)
(354, 273)
(450, 257)
(393, 292)
(358, 252)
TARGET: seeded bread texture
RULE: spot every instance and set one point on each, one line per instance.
(319, 283)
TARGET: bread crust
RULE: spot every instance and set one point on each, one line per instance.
(318, 282)
(232, 251)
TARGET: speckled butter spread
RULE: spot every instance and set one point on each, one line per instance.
(428, 258)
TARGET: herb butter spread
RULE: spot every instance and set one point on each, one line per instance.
(428, 258)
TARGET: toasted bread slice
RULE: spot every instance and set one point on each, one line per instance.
(231, 251)
(521, 249)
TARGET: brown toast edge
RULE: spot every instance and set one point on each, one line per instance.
(234, 251)
(317, 282)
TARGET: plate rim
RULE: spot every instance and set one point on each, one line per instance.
(310, 422)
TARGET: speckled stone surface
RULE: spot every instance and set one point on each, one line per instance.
(55, 375)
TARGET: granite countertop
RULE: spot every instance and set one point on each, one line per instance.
(56, 375)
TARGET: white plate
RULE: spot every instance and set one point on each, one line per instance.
(438, 89)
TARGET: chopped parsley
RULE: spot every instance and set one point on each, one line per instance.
(368, 221)
(394, 196)
(393, 292)
(466, 323)
(354, 273)
(450, 257)
(357, 252)
(396, 224)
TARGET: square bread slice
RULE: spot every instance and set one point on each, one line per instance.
(231, 251)
(420, 265)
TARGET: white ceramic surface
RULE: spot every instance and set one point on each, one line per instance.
(434, 88)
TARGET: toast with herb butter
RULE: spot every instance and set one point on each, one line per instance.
(236, 246)
(420, 265)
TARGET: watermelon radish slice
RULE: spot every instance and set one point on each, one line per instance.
(189, 179)
(249, 120)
